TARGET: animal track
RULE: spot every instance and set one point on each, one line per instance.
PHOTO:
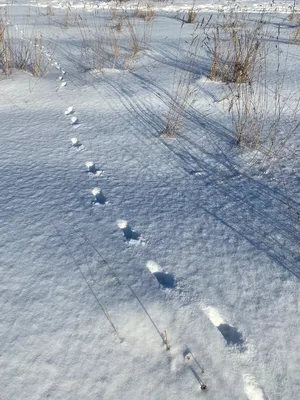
(164, 278)
(232, 336)
(131, 237)
(99, 197)
(92, 169)
(75, 142)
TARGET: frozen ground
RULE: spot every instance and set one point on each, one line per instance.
(113, 237)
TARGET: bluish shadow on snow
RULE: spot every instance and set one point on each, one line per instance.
(232, 336)
(130, 234)
(249, 205)
(92, 169)
(180, 59)
(100, 198)
(165, 279)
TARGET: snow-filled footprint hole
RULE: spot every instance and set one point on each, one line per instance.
(165, 279)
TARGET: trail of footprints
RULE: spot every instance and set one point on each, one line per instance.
(165, 279)
(131, 238)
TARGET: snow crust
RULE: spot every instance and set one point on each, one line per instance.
(197, 243)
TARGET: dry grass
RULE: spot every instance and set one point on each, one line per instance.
(49, 11)
(145, 12)
(5, 56)
(247, 116)
(264, 115)
(114, 43)
(236, 53)
(191, 16)
(134, 38)
(180, 98)
(183, 92)
(295, 36)
(22, 53)
(31, 58)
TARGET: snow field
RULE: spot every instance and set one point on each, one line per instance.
(68, 303)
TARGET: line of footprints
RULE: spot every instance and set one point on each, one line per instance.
(167, 281)
(130, 236)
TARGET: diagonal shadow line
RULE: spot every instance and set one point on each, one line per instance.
(129, 102)
(276, 257)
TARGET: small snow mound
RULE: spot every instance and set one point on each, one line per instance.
(63, 84)
(90, 166)
(74, 120)
(252, 389)
(69, 110)
(153, 266)
(96, 191)
(111, 71)
(214, 315)
(122, 223)
(75, 142)
(188, 357)
(205, 79)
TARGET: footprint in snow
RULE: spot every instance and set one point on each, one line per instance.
(76, 144)
(164, 278)
(130, 236)
(99, 197)
(231, 334)
(92, 170)
(74, 121)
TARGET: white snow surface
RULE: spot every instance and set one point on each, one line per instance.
(84, 315)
